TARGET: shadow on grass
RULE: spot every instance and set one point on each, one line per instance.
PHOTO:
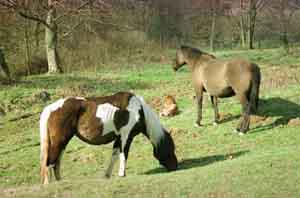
(284, 109)
(229, 118)
(198, 162)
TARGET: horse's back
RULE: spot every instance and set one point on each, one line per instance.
(224, 77)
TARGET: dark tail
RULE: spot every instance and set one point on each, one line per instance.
(254, 92)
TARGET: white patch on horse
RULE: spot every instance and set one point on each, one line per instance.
(44, 119)
(133, 108)
(106, 113)
(153, 125)
(114, 158)
(122, 165)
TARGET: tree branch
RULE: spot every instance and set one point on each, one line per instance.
(8, 5)
(34, 18)
(72, 29)
(70, 11)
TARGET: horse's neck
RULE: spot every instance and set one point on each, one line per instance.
(199, 61)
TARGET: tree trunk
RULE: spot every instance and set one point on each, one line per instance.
(4, 66)
(27, 47)
(242, 32)
(51, 43)
(251, 24)
(213, 29)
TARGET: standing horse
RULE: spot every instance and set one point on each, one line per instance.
(100, 120)
(220, 79)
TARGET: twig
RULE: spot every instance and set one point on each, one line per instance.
(26, 115)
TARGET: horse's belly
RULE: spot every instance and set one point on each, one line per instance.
(221, 92)
(96, 139)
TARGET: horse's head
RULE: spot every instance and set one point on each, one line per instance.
(191, 56)
(165, 153)
(180, 59)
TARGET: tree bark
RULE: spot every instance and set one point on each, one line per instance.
(213, 30)
(251, 22)
(4, 66)
(242, 31)
(51, 43)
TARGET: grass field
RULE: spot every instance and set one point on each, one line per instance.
(213, 161)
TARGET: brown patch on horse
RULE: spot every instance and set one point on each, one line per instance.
(89, 126)
(120, 99)
(169, 106)
(62, 125)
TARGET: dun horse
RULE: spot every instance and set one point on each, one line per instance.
(100, 120)
(222, 78)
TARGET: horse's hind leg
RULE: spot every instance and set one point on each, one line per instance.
(214, 102)
(245, 119)
(199, 94)
(57, 166)
(44, 172)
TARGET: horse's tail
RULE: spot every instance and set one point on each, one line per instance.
(254, 92)
(154, 128)
(44, 144)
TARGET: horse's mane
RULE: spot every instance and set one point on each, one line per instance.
(194, 53)
(191, 52)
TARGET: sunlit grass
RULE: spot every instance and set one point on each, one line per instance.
(213, 161)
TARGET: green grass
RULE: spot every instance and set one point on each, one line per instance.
(213, 161)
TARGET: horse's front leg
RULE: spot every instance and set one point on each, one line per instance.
(114, 157)
(199, 95)
(126, 139)
(214, 102)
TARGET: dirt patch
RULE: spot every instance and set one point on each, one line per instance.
(294, 122)
(254, 119)
(155, 103)
(84, 158)
(176, 132)
(224, 116)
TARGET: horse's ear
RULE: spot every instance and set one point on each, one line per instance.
(209, 55)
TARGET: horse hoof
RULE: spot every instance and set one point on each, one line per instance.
(122, 175)
(215, 123)
(241, 133)
(197, 124)
(107, 176)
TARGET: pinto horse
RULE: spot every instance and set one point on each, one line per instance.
(220, 79)
(100, 120)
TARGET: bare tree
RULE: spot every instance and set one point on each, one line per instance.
(283, 11)
(214, 8)
(247, 20)
(30, 9)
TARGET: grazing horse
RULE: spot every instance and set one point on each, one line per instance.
(220, 79)
(100, 120)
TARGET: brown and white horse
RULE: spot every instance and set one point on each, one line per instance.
(100, 120)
